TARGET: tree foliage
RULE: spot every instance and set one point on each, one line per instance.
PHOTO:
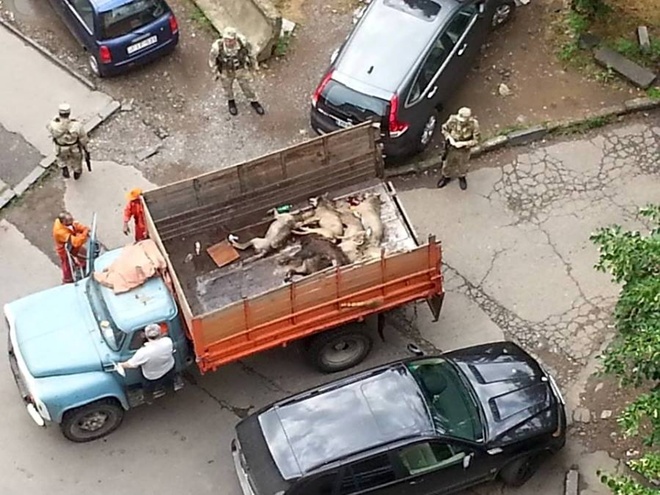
(633, 259)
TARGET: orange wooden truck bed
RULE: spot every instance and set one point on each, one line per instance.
(239, 310)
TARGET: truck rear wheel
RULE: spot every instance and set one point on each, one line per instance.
(337, 350)
(93, 421)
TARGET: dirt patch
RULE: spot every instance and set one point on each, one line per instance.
(34, 213)
(605, 400)
(543, 89)
(645, 12)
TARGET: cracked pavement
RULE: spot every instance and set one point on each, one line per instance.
(518, 264)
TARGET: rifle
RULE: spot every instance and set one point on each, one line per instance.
(88, 159)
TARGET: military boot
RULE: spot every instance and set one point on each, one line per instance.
(443, 182)
(257, 107)
(76, 175)
(462, 183)
(232, 107)
(65, 172)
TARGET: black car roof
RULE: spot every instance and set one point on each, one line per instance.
(378, 408)
(387, 43)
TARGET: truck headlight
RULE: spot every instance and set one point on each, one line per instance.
(41, 408)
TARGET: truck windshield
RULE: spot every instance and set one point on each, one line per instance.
(454, 410)
(131, 16)
(113, 337)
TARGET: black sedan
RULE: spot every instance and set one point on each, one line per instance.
(421, 426)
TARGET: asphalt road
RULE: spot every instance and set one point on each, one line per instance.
(518, 265)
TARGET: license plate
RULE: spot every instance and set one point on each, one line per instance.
(142, 44)
(342, 124)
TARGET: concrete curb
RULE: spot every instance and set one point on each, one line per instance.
(9, 193)
(48, 55)
(534, 133)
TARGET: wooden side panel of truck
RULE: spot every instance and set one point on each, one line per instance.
(234, 200)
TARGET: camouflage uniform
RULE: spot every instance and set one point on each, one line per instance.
(463, 129)
(230, 59)
(70, 141)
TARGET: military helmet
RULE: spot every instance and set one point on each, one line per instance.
(229, 33)
(464, 113)
(64, 109)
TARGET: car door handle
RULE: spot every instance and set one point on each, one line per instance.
(416, 482)
(430, 95)
(462, 49)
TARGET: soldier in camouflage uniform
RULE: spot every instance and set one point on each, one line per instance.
(230, 59)
(70, 141)
(461, 132)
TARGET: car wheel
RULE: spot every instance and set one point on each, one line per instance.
(428, 129)
(94, 66)
(503, 14)
(518, 472)
(337, 350)
(92, 421)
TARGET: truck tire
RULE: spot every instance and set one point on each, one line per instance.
(337, 350)
(92, 421)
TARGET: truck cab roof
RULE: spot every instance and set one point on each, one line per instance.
(151, 302)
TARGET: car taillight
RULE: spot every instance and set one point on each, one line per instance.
(396, 126)
(104, 55)
(174, 26)
(320, 87)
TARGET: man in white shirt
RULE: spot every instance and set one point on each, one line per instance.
(155, 360)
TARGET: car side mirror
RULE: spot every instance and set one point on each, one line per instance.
(334, 55)
(414, 349)
(466, 461)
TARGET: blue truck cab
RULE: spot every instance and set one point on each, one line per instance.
(64, 343)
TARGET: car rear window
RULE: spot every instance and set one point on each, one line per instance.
(130, 16)
(426, 10)
(351, 105)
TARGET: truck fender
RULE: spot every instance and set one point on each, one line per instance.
(70, 391)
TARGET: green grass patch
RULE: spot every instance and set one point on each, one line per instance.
(653, 93)
(283, 45)
(199, 18)
(585, 125)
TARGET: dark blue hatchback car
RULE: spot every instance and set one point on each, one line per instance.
(118, 34)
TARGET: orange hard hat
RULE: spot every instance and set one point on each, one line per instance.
(134, 194)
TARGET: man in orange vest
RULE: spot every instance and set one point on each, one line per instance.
(135, 210)
(72, 236)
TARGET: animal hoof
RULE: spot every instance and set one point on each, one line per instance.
(232, 237)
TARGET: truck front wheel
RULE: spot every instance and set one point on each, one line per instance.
(337, 350)
(93, 421)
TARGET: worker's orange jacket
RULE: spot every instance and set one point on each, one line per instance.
(77, 233)
(135, 210)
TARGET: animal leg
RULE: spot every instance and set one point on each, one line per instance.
(233, 240)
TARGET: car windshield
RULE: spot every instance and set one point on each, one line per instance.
(130, 16)
(350, 105)
(426, 10)
(452, 405)
(111, 334)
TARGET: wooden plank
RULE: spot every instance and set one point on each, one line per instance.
(301, 182)
(227, 322)
(236, 213)
(313, 291)
(401, 264)
(270, 306)
(169, 199)
(178, 290)
(360, 277)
